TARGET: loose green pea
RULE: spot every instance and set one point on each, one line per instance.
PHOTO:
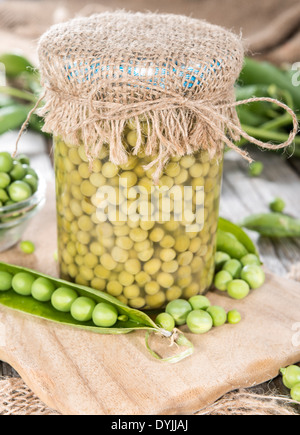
(3, 196)
(31, 181)
(4, 180)
(82, 309)
(32, 172)
(278, 205)
(19, 191)
(165, 321)
(238, 289)
(6, 162)
(63, 298)
(220, 259)
(250, 259)
(5, 281)
(23, 159)
(253, 275)
(256, 169)
(27, 247)
(199, 322)
(234, 267)
(291, 376)
(222, 279)
(295, 393)
(105, 315)
(179, 310)
(199, 302)
(22, 283)
(218, 315)
(42, 289)
(18, 171)
(234, 317)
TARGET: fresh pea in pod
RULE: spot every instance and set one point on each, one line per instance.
(273, 225)
(82, 307)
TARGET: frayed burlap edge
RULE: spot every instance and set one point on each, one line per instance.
(17, 399)
(243, 402)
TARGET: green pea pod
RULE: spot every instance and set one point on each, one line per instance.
(244, 92)
(6, 100)
(15, 64)
(36, 123)
(229, 244)
(225, 225)
(248, 117)
(129, 319)
(274, 135)
(296, 150)
(258, 109)
(264, 73)
(273, 225)
(12, 117)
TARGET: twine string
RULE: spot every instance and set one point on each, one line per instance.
(24, 126)
(210, 114)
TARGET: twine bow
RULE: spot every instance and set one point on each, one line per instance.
(171, 119)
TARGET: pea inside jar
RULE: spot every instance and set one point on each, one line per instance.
(120, 232)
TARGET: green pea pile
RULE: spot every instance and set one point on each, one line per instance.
(63, 299)
(18, 181)
(143, 262)
(291, 379)
(238, 277)
(197, 313)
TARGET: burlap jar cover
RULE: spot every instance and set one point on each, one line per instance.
(177, 72)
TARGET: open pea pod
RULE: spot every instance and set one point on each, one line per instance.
(130, 319)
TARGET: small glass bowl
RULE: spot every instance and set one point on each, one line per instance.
(15, 218)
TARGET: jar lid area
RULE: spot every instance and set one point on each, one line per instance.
(148, 51)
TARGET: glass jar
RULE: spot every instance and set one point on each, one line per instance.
(121, 233)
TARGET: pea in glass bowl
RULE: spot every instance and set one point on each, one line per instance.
(15, 218)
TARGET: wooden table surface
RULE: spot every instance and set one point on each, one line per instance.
(242, 195)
